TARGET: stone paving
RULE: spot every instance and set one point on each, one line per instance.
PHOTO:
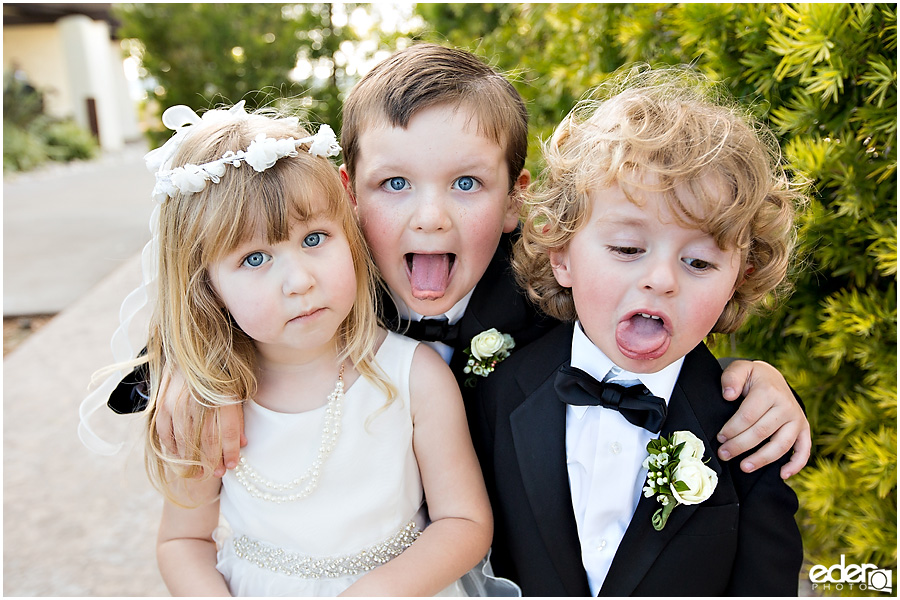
(74, 523)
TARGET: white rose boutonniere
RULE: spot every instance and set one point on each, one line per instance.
(486, 350)
(676, 474)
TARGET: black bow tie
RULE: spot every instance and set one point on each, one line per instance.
(635, 403)
(429, 330)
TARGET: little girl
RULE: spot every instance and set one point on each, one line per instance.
(266, 293)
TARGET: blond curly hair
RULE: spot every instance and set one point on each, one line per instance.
(658, 130)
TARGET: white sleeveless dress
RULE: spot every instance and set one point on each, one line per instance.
(367, 508)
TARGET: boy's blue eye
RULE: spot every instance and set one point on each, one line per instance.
(256, 259)
(397, 183)
(313, 239)
(466, 183)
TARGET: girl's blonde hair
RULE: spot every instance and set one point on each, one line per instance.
(190, 328)
(658, 130)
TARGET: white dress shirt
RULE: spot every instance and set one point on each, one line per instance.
(453, 315)
(604, 453)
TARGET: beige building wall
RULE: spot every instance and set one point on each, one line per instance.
(37, 51)
(71, 61)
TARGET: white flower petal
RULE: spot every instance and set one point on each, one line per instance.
(324, 143)
(216, 168)
(693, 446)
(700, 479)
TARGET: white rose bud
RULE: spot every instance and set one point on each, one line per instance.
(693, 447)
(262, 153)
(325, 143)
(189, 179)
(163, 190)
(215, 170)
(700, 479)
(508, 342)
(486, 344)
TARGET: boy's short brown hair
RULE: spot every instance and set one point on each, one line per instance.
(656, 129)
(426, 75)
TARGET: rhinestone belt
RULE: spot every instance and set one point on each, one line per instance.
(276, 559)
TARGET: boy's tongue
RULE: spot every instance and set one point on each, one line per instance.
(429, 275)
(642, 338)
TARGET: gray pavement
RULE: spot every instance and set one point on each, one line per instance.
(74, 523)
(68, 226)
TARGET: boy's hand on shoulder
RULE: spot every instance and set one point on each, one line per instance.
(769, 410)
(222, 436)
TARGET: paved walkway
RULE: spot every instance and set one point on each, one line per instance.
(68, 226)
(74, 523)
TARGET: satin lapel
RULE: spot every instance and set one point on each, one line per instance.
(642, 544)
(539, 434)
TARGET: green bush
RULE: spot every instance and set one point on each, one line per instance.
(31, 138)
(67, 141)
(22, 151)
(22, 103)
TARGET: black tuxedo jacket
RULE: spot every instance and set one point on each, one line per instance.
(743, 540)
(497, 302)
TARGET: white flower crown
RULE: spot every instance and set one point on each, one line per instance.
(261, 155)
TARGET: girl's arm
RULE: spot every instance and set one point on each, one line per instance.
(461, 522)
(769, 410)
(185, 550)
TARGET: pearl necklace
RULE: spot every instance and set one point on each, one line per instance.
(271, 491)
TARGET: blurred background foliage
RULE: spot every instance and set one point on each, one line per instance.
(207, 54)
(823, 76)
(31, 137)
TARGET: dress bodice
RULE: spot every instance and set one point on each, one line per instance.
(369, 488)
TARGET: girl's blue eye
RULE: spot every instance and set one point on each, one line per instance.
(397, 183)
(313, 239)
(256, 259)
(465, 183)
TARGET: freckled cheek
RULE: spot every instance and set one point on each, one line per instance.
(380, 232)
(480, 236)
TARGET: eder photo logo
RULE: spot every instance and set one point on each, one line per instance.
(851, 577)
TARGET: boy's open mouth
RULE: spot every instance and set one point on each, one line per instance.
(429, 274)
(643, 336)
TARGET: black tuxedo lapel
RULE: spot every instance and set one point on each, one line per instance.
(538, 428)
(641, 545)
(539, 436)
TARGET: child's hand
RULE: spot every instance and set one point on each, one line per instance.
(222, 437)
(769, 409)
